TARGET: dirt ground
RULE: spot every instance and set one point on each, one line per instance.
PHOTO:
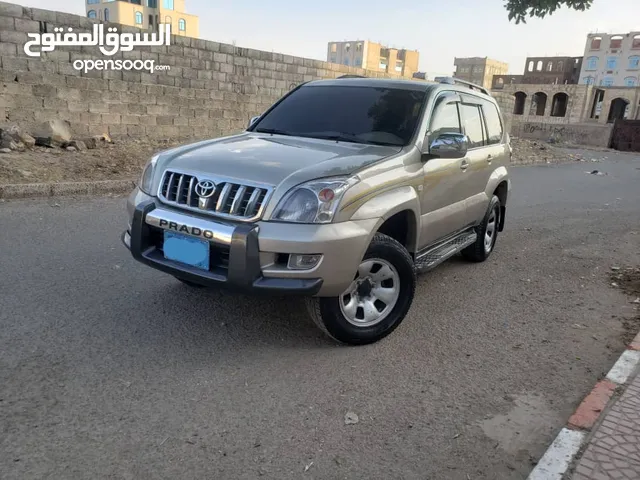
(628, 280)
(124, 160)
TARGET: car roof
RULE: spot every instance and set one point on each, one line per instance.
(406, 84)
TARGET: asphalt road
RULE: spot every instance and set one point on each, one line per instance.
(109, 369)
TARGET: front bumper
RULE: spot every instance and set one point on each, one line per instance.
(245, 256)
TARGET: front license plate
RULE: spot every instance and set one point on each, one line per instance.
(187, 250)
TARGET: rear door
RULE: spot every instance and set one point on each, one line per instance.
(481, 123)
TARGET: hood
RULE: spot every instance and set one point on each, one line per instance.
(272, 159)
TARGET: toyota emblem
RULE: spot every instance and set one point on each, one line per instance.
(205, 188)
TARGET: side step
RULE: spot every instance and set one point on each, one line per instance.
(431, 258)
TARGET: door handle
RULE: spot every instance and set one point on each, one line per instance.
(464, 165)
(489, 158)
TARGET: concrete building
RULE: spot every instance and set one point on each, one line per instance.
(611, 60)
(146, 14)
(479, 70)
(374, 56)
(556, 70)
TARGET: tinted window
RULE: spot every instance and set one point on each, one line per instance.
(492, 119)
(472, 124)
(350, 113)
(445, 119)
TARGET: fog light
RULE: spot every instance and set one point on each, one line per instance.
(303, 262)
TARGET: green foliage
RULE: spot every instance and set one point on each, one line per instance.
(520, 9)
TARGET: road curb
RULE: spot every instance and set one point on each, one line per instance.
(560, 455)
(30, 190)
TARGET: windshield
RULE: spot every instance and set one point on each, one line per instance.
(383, 116)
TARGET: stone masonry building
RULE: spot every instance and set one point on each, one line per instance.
(374, 56)
(147, 14)
(611, 60)
(479, 70)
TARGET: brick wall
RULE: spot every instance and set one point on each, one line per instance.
(211, 89)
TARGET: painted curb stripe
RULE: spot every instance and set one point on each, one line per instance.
(624, 367)
(559, 456)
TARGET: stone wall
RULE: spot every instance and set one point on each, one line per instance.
(211, 88)
(576, 133)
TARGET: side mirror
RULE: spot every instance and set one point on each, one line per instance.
(253, 120)
(449, 145)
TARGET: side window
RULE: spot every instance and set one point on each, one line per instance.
(494, 125)
(472, 124)
(445, 119)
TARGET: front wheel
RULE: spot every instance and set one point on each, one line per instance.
(377, 300)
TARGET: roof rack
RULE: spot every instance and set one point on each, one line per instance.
(472, 86)
(351, 76)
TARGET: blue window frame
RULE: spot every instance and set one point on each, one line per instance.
(634, 62)
(612, 63)
(182, 25)
(139, 18)
(92, 14)
(106, 14)
(592, 63)
(607, 82)
(91, 2)
(588, 80)
(168, 4)
(630, 82)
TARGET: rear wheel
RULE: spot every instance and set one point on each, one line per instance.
(377, 300)
(487, 234)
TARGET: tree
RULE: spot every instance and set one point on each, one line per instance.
(520, 9)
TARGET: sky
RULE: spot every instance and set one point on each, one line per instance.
(439, 31)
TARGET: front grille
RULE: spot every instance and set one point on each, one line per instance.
(229, 199)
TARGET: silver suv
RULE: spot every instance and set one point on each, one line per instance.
(342, 191)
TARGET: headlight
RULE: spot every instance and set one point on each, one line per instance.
(146, 180)
(313, 202)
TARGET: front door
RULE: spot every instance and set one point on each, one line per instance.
(443, 201)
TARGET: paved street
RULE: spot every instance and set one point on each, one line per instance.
(109, 369)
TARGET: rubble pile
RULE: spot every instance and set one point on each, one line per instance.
(54, 134)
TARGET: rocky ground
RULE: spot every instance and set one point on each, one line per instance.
(105, 159)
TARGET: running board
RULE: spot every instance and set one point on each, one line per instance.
(433, 257)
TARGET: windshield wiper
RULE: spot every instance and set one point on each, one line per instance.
(345, 137)
(273, 131)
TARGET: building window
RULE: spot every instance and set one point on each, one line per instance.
(616, 42)
(182, 25)
(91, 2)
(634, 62)
(398, 66)
(139, 18)
(334, 48)
(588, 80)
(520, 100)
(92, 14)
(592, 63)
(612, 62)
(359, 47)
(607, 82)
(559, 105)
(630, 82)
(635, 43)
(167, 19)
(595, 43)
(106, 14)
(383, 64)
(347, 47)
(550, 67)
(168, 4)
(531, 66)
(152, 3)
(560, 66)
(539, 66)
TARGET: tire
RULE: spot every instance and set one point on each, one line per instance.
(391, 268)
(480, 251)
(188, 283)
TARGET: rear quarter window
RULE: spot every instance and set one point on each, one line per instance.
(494, 125)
